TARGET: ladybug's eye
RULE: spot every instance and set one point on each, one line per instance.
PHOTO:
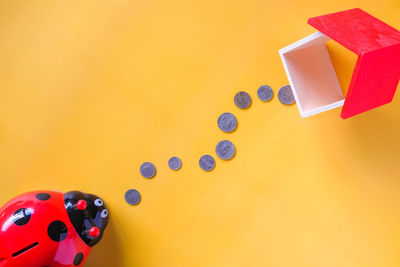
(104, 213)
(22, 216)
(98, 202)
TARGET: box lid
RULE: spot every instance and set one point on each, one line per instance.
(377, 44)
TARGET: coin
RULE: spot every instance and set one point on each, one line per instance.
(148, 170)
(175, 163)
(132, 197)
(227, 122)
(242, 100)
(265, 93)
(285, 95)
(207, 162)
(225, 149)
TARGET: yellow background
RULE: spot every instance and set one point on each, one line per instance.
(91, 89)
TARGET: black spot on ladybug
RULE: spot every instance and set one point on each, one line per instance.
(43, 196)
(22, 216)
(78, 259)
(57, 231)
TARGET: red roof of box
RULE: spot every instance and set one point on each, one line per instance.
(377, 72)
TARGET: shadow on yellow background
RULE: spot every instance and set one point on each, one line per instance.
(90, 90)
(108, 252)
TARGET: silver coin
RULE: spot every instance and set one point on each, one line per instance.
(242, 100)
(207, 162)
(132, 197)
(285, 95)
(175, 163)
(225, 149)
(265, 93)
(148, 170)
(227, 122)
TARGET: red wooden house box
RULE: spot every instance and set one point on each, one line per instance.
(376, 74)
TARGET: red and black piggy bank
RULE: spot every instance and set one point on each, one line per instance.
(50, 228)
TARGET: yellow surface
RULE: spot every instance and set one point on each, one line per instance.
(91, 89)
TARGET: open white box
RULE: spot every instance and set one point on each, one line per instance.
(311, 75)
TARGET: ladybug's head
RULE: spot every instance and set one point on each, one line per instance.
(88, 214)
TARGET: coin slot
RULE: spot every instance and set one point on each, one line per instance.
(25, 249)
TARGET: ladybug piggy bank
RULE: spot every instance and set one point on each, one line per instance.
(49, 228)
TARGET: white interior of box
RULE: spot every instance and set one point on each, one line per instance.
(311, 75)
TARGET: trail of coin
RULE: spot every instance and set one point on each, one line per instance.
(207, 162)
(242, 100)
(265, 93)
(132, 197)
(174, 163)
(227, 122)
(285, 95)
(225, 150)
(148, 170)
